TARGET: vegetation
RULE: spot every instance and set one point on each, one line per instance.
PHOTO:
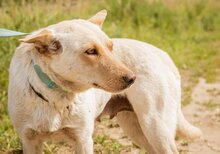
(188, 30)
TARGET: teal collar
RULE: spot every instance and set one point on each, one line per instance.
(45, 78)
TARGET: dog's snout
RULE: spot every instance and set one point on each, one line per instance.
(129, 78)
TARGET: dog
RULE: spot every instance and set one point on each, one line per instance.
(61, 77)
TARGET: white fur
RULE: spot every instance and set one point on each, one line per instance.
(155, 95)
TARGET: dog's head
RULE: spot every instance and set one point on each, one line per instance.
(79, 56)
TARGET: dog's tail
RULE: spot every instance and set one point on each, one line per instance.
(185, 129)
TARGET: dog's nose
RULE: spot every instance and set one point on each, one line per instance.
(129, 78)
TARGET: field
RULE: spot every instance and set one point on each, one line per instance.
(188, 30)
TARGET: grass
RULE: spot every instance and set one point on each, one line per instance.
(106, 145)
(188, 30)
(209, 104)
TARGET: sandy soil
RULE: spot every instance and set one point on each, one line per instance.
(204, 112)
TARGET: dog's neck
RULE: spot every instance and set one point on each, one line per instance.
(57, 97)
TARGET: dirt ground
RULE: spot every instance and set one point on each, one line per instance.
(203, 112)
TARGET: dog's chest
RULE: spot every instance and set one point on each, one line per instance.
(59, 115)
(47, 118)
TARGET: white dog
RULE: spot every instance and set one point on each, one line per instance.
(62, 76)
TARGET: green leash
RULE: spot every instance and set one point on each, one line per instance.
(10, 33)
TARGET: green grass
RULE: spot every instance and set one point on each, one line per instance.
(105, 145)
(209, 104)
(188, 30)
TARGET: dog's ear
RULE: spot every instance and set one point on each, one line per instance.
(44, 42)
(99, 18)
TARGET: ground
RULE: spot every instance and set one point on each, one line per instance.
(204, 112)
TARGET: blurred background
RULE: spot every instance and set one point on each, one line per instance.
(189, 30)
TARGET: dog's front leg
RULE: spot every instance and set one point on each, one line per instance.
(84, 145)
(32, 147)
(82, 138)
(31, 142)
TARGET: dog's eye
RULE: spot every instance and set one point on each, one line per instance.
(91, 52)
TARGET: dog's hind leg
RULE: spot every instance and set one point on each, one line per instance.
(156, 118)
(129, 123)
(157, 134)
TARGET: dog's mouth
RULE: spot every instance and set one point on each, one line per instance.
(95, 85)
